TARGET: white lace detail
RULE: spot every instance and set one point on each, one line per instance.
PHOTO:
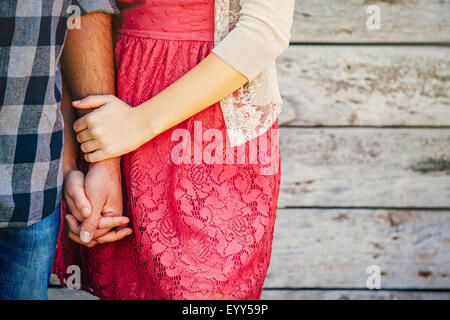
(248, 112)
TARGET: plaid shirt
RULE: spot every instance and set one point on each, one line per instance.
(32, 34)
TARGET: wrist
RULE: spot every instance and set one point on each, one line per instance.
(112, 164)
(69, 167)
(150, 124)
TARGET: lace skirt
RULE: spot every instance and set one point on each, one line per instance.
(202, 212)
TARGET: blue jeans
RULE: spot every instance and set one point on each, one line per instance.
(26, 259)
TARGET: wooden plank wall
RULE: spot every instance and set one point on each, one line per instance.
(365, 142)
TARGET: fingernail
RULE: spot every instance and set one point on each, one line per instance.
(85, 211)
(124, 221)
(85, 236)
(76, 102)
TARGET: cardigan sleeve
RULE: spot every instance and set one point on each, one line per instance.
(261, 34)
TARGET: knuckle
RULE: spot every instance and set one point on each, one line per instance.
(90, 225)
(109, 150)
(83, 147)
(102, 140)
(90, 119)
(90, 244)
(95, 132)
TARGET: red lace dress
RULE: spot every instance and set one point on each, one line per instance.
(203, 226)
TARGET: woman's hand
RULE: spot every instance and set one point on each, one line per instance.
(112, 130)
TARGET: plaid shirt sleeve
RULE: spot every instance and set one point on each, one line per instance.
(32, 35)
(89, 6)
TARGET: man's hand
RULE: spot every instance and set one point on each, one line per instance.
(103, 234)
(76, 201)
(87, 63)
(104, 184)
(103, 187)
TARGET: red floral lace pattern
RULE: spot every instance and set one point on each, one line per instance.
(201, 231)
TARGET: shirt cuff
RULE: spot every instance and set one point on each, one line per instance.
(89, 6)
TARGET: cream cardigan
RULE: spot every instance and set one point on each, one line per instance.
(249, 35)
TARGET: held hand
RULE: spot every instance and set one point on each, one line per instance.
(110, 131)
(77, 202)
(103, 187)
(74, 195)
(103, 234)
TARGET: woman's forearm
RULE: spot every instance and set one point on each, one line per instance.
(207, 83)
(116, 128)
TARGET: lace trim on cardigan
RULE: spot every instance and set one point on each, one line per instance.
(246, 118)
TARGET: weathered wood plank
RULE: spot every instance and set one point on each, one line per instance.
(332, 248)
(352, 295)
(66, 294)
(365, 167)
(332, 21)
(365, 85)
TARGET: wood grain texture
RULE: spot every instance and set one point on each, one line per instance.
(332, 248)
(352, 295)
(333, 21)
(365, 86)
(365, 167)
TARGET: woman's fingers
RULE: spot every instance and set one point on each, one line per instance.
(114, 235)
(84, 136)
(103, 233)
(112, 222)
(93, 101)
(90, 146)
(96, 156)
(108, 237)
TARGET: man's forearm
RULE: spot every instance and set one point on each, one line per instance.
(88, 58)
(71, 146)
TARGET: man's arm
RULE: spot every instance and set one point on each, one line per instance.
(88, 57)
(74, 195)
(88, 66)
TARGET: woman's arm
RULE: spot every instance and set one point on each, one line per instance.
(116, 128)
(262, 33)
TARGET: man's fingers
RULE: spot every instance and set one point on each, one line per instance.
(94, 101)
(109, 237)
(77, 239)
(114, 235)
(80, 200)
(105, 225)
(73, 210)
(72, 224)
(75, 195)
(90, 224)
